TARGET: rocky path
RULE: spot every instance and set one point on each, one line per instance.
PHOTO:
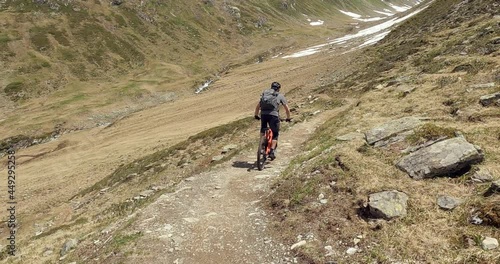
(217, 216)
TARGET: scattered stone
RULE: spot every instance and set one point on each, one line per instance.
(482, 86)
(146, 193)
(447, 202)
(405, 89)
(494, 188)
(489, 243)
(351, 136)
(388, 204)
(298, 244)
(443, 158)
(351, 251)
(329, 251)
(217, 158)
(228, 148)
(482, 176)
(356, 241)
(68, 245)
(475, 220)
(489, 99)
(391, 129)
(48, 252)
(323, 201)
(191, 220)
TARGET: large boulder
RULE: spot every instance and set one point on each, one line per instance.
(447, 157)
(381, 135)
(388, 204)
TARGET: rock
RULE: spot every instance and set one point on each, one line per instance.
(298, 244)
(69, 245)
(228, 148)
(446, 157)
(494, 188)
(234, 11)
(405, 89)
(447, 202)
(392, 128)
(217, 158)
(489, 243)
(351, 136)
(146, 193)
(482, 176)
(388, 204)
(489, 99)
(351, 251)
(482, 86)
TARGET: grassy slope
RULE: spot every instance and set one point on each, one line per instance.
(73, 60)
(441, 52)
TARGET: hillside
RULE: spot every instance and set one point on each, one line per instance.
(120, 160)
(435, 67)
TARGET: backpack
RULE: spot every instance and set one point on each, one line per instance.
(269, 100)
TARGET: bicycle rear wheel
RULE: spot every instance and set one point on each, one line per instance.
(261, 153)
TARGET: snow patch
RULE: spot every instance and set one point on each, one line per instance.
(317, 23)
(354, 15)
(203, 87)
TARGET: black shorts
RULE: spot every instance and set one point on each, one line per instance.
(274, 124)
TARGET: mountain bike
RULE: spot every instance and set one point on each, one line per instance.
(264, 148)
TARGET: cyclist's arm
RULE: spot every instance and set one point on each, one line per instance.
(287, 111)
(257, 109)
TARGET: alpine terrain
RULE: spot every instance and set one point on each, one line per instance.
(127, 132)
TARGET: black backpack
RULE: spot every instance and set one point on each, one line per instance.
(269, 100)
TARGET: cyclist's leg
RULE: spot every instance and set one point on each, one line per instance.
(274, 123)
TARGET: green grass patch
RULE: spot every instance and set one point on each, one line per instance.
(122, 240)
(74, 99)
(429, 132)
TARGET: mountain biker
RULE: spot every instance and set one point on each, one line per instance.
(270, 115)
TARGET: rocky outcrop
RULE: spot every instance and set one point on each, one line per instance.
(447, 157)
(392, 131)
(489, 99)
(388, 204)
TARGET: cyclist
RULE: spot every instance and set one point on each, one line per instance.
(269, 113)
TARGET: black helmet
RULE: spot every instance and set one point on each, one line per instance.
(275, 86)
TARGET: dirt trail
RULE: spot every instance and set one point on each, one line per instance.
(217, 216)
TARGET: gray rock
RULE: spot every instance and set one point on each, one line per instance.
(228, 148)
(351, 251)
(146, 193)
(447, 202)
(351, 136)
(48, 252)
(405, 89)
(388, 204)
(69, 245)
(392, 128)
(489, 243)
(482, 176)
(489, 99)
(443, 158)
(494, 188)
(217, 158)
(298, 244)
(482, 86)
